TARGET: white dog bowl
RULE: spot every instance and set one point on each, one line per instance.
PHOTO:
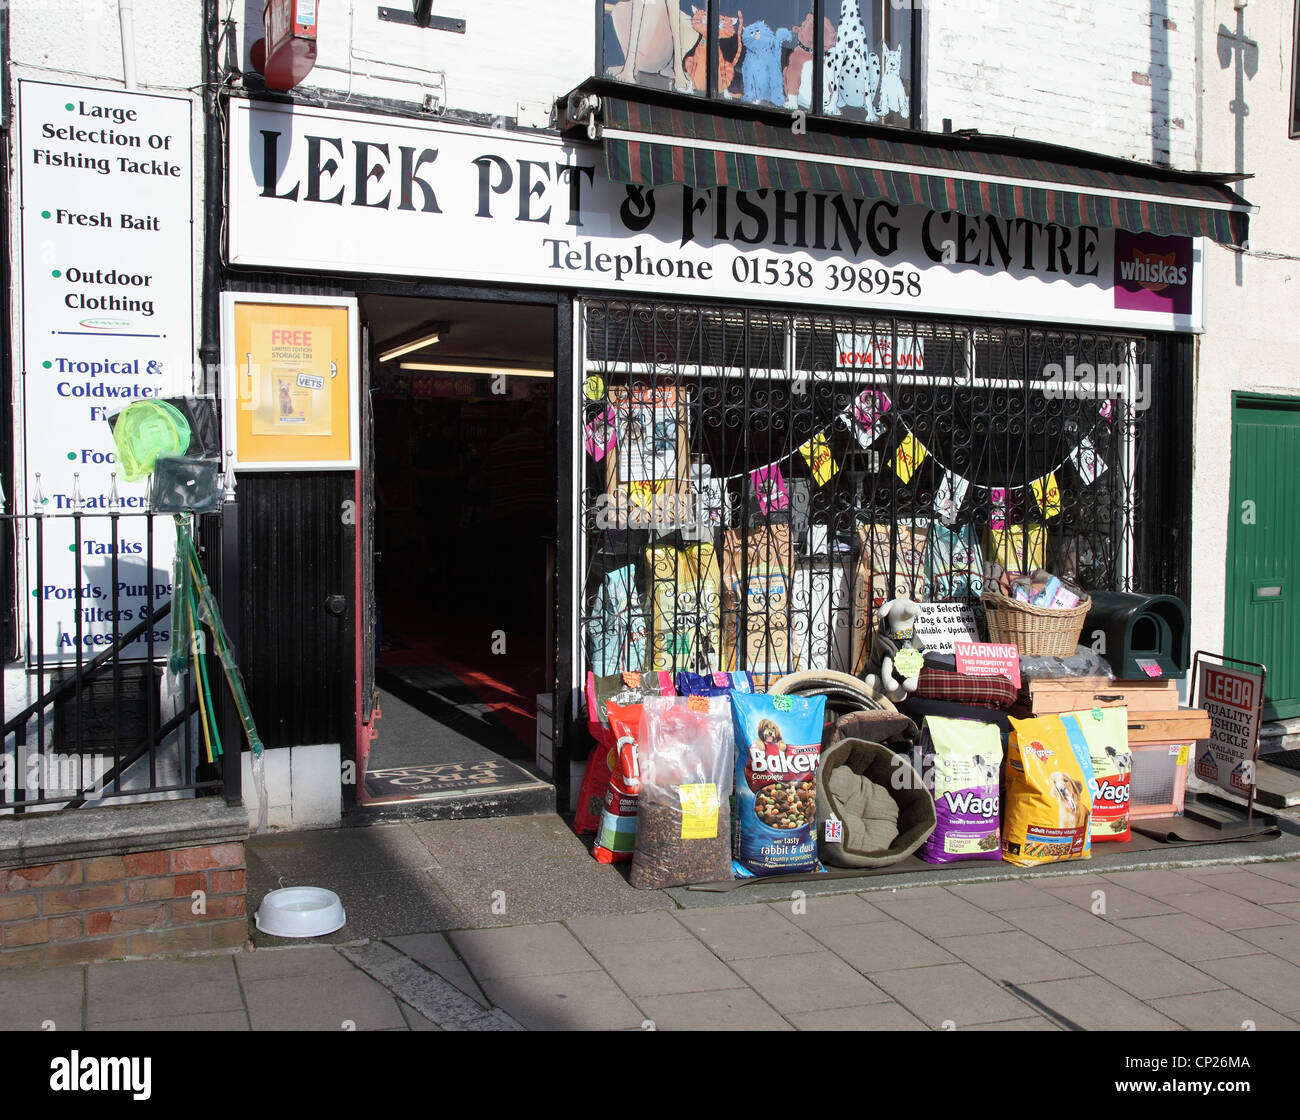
(300, 912)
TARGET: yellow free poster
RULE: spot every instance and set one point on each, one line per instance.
(817, 451)
(294, 395)
(1048, 495)
(910, 455)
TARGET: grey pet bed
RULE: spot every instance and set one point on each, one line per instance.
(859, 846)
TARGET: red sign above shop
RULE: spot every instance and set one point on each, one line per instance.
(290, 42)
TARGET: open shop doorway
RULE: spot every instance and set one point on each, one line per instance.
(458, 522)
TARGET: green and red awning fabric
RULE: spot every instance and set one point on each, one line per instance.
(655, 145)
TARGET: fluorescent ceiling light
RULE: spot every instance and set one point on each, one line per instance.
(482, 371)
(407, 347)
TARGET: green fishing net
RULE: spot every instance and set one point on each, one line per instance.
(143, 430)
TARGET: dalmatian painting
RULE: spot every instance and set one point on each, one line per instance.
(852, 71)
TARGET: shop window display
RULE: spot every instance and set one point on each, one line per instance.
(759, 482)
(765, 53)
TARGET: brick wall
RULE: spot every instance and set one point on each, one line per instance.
(136, 905)
(1114, 78)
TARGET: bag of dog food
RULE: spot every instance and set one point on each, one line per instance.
(1048, 803)
(1103, 733)
(683, 808)
(961, 762)
(778, 742)
(714, 684)
(616, 834)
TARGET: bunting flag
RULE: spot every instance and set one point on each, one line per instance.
(1107, 410)
(998, 512)
(769, 485)
(1048, 495)
(947, 502)
(602, 433)
(643, 493)
(869, 408)
(1087, 462)
(909, 457)
(817, 453)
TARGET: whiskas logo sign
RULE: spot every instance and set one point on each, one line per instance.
(1153, 273)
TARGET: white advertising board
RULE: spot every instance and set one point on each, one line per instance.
(105, 182)
(330, 191)
(1234, 700)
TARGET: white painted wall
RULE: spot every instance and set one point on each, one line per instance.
(1252, 297)
(1117, 77)
(510, 53)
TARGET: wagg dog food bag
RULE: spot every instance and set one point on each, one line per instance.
(1048, 800)
(1103, 733)
(778, 743)
(961, 762)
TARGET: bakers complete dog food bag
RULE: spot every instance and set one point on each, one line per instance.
(1103, 733)
(1048, 799)
(778, 743)
(961, 760)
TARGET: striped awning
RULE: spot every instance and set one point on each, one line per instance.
(651, 144)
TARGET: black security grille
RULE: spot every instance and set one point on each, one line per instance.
(697, 399)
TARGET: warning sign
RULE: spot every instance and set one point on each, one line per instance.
(1234, 700)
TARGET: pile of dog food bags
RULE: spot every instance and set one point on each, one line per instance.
(706, 780)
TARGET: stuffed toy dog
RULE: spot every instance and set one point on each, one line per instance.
(895, 662)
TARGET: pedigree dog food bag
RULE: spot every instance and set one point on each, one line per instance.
(1103, 732)
(1048, 806)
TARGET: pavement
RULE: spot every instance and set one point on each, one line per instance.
(509, 924)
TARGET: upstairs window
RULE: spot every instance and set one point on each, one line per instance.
(766, 53)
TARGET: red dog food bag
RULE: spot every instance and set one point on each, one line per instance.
(1103, 732)
(616, 835)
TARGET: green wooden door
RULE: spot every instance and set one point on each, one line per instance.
(1262, 620)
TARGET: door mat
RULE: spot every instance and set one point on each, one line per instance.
(447, 778)
(1180, 830)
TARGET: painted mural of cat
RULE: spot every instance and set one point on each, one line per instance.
(893, 98)
(800, 61)
(761, 66)
(697, 62)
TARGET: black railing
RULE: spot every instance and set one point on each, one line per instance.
(92, 711)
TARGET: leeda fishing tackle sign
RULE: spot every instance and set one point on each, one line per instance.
(321, 190)
(1234, 700)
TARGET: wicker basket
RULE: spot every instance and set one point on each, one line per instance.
(1036, 631)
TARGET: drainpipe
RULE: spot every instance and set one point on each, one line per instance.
(126, 17)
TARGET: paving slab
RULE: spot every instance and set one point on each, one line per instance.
(1118, 901)
(1064, 926)
(868, 1017)
(1158, 883)
(1095, 1004)
(747, 931)
(434, 952)
(1226, 911)
(942, 916)
(301, 856)
(32, 997)
(1145, 971)
(1268, 980)
(1013, 955)
(1224, 1010)
(623, 929)
(1281, 941)
(350, 1001)
(414, 1020)
(270, 964)
(1255, 888)
(171, 1024)
(882, 946)
(807, 982)
(1286, 871)
(154, 989)
(1037, 1023)
(950, 994)
(1187, 937)
(737, 1010)
(588, 1001)
(1010, 894)
(532, 950)
(826, 911)
(665, 968)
